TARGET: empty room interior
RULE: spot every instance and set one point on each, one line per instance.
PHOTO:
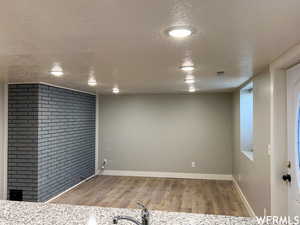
(154, 112)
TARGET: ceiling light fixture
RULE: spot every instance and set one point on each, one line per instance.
(187, 68)
(179, 32)
(189, 80)
(192, 89)
(57, 70)
(57, 73)
(116, 90)
(92, 82)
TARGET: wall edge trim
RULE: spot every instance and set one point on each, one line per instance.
(97, 155)
(244, 199)
(5, 145)
(69, 189)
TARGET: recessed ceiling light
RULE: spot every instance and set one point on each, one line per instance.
(57, 73)
(187, 68)
(92, 82)
(116, 90)
(179, 32)
(189, 80)
(192, 89)
(57, 70)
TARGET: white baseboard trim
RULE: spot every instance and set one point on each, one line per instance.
(244, 199)
(55, 197)
(131, 173)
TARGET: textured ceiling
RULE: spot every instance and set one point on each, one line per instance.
(124, 42)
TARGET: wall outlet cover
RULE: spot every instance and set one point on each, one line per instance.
(269, 149)
(104, 164)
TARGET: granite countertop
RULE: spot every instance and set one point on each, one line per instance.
(24, 213)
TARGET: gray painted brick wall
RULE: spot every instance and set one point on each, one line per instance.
(60, 149)
(66, 139)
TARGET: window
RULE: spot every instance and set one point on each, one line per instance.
(246, 120)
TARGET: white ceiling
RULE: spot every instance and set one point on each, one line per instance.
(123, 41)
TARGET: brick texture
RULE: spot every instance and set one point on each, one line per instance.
(51, 139)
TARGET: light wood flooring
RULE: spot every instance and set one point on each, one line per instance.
(167, 194)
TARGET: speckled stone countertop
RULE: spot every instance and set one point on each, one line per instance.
(23, 213)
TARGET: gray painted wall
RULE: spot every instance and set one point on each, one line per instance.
(167, 133)
(51, 139)
(255, 175)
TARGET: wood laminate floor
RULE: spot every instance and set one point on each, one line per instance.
(167, 194)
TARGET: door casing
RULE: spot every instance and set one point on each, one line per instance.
(293, 100)
(278, 69)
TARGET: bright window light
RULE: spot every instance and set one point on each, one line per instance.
(246, 120)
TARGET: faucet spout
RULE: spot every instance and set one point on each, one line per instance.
(131, 219)
(145, 217)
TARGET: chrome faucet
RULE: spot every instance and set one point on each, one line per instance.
(145, 217)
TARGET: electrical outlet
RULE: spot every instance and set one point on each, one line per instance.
(104, 163)
(193, 164)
